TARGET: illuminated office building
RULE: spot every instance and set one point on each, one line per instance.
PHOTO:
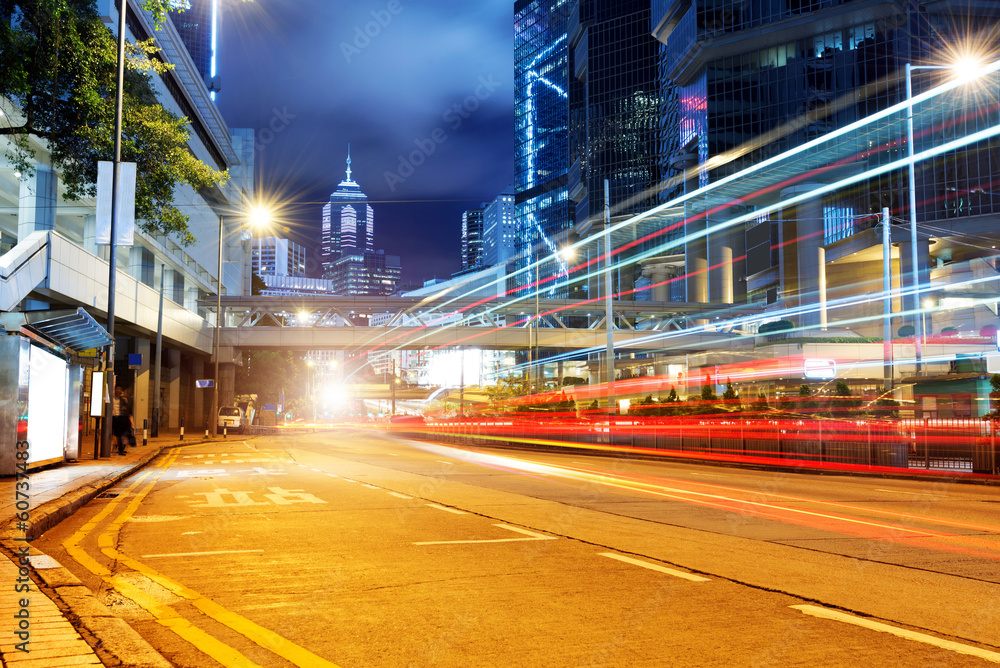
(348, 223)
(278, 257)
(198, 23)
(499, 232)
(541, 142)
(472, 239)
(800, 69)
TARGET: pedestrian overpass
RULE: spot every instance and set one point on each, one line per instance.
(361, 324)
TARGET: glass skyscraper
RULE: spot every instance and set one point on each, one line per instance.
(472, 239)
(541, 115)
(197, 23)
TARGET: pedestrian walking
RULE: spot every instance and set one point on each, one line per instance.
(121, 419)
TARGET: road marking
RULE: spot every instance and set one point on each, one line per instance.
(196, 554)
(654, 567)
(332, 475)
(170, 618)
(214, 499)
(399, 496)
(364, 484)
(836, 615)
(898, 491)
(534, 536)
(447, 509)
(441, 461)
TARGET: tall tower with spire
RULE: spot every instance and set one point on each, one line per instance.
(348, 223)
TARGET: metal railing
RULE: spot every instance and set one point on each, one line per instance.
(959, 446)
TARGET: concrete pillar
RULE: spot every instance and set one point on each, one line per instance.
(803, 225)
(696, 263)
(202, 397)
(143, 377)
(227, 383)
(659, 273)
(906, 274)
(171, 377)
(36, 202)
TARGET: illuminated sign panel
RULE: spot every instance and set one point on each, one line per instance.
(819, 369)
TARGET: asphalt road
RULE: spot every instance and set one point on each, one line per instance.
(352, 549)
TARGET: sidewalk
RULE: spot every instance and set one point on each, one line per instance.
(53, 495)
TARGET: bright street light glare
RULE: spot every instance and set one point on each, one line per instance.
(968, 68)
(259, 217)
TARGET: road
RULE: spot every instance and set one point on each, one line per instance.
(353, 548)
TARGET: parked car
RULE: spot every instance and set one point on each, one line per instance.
(232, 417)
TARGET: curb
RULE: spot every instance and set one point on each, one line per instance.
(113, 640)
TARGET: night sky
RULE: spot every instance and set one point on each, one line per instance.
(308, 76)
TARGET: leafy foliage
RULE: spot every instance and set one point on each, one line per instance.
(60, 72)
(269, 373)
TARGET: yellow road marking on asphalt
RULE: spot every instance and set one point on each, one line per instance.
(266, 638)
(836, 615)
(171, 619)
(71, 544)
(654, 567)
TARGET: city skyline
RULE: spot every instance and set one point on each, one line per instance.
(300, 85)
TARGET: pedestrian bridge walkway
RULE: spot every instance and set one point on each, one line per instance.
(389, 323)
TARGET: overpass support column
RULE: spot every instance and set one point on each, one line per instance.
(804, 226)
(659, 273)
(172, 378)
(227, 383)
(200, 416)
(140, 393)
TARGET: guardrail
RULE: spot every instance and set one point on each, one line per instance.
(960, 446)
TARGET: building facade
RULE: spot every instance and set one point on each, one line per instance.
(472, 240)
(198, 23)
(541, 141)
(278, 257)
(365, 274)
(499, 234)
(53, 264)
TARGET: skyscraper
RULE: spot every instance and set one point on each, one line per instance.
(498, 229)
(197, 23)
(348, 222)
(541, 113)
(793, 71)
(472, 239)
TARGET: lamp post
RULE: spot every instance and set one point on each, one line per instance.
(258, 217)
(112, 254)
(564, 254)
(610, 351)
(967, 69)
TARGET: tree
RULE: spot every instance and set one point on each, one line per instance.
(731, 396)
(271, 373)
(60, 72)
(842, 407)
(257, 284)
(807, 405)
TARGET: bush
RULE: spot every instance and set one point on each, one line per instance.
(949, 331)
(906, 331)
(775, 326)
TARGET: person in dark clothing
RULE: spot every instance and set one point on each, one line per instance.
(121, 419)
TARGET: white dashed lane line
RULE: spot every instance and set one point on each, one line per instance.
(364, 484)
(399, 496)
(836, 615)
(654, 567)
(447, 509)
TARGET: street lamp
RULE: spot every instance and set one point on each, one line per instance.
(258, 216)
(966, 70)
